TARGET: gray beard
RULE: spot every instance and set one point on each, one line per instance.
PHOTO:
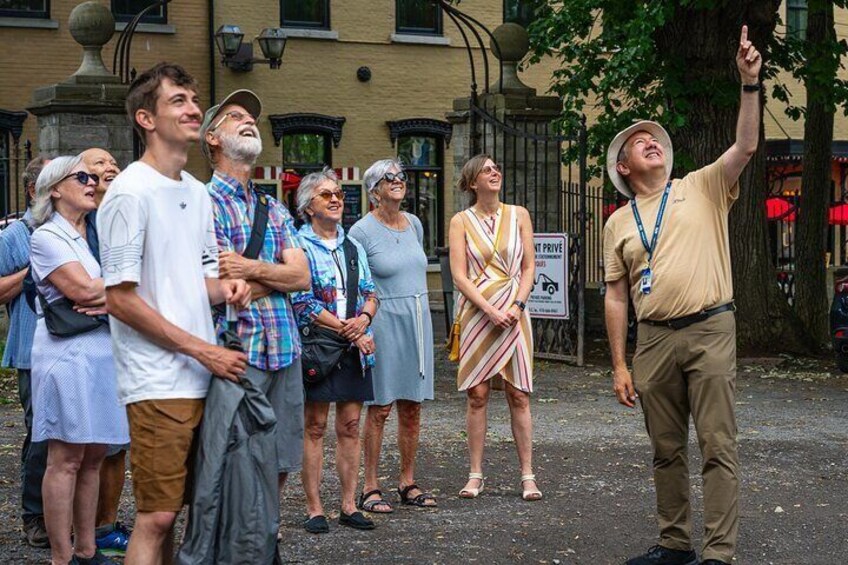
(241, 149)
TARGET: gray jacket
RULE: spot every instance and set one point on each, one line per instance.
(235, 511)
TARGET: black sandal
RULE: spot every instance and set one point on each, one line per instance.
(368, 505)
(357, 520)
(419, 500)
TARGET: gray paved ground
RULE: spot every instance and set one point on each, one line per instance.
(593, 463)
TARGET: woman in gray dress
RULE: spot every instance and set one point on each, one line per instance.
(403, 332)
(75, 396)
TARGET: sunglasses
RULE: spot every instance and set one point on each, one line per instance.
(82, 178)
(489, 169)
(392, 177)
(234, 115)
(326, 196)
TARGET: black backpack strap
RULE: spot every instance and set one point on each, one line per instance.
(260, 226)
(352, 262)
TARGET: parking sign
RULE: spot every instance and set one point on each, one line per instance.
(549, 297)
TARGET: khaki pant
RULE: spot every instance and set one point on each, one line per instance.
(682, 372)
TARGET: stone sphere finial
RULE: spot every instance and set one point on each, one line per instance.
(91, 24)
(513, 40)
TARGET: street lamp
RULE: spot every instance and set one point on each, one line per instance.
(238, 56)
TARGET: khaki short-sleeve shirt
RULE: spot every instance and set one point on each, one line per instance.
(691, 262)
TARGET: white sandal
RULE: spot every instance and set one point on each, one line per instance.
(530, 494)
(473, 492)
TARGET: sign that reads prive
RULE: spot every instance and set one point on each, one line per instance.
(549, 297)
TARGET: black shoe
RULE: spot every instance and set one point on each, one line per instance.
(36, 533)
(317, 525)
(659, 555)
(96, 559)
(714, 562)
(357, 520)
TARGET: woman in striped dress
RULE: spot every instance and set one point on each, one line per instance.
(492, 261)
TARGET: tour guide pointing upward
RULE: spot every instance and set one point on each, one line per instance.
(670, 250)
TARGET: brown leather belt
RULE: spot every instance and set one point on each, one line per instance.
(686, 321)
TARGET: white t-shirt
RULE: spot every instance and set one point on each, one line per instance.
(160, 234)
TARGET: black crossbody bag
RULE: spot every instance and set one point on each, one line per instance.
(257, 238)
(322, 347)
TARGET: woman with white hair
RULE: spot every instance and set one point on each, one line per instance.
(403, 332)
(75, 398)
(341, 302)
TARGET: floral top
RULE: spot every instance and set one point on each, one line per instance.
(308, 304)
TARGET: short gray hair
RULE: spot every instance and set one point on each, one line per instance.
(375, 174)
(52, 174)
(306, 189)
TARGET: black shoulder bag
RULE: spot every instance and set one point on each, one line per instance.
(322, 347)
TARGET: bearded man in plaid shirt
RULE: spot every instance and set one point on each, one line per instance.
(230, 141)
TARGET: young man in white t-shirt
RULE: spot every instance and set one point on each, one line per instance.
(160, 266)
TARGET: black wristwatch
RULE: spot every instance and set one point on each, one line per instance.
(521, 305)
(751, 87)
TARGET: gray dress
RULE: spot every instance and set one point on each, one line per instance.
(403, 331)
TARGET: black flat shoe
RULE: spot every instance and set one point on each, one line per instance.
(317, 525)
(357, 520)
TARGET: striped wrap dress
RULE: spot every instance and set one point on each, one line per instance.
(486, 351)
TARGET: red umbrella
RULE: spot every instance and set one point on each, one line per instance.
(838, 214)
(780, 209)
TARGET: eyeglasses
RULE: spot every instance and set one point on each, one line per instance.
(489, 169)
(392, 177)
(327, 195)
(82, 178)
(235, 115)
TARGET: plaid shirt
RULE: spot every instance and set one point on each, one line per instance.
(267, 328)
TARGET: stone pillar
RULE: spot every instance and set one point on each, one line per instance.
(532, 162)
(86, 109)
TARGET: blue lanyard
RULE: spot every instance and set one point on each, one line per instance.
(653, 245)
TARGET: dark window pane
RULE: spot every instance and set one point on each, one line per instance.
(305, 13)
(519, 11)
(126, 10)
(418, 151)
(796, 18)
(307, 149)
(418, 16)
(25, 8)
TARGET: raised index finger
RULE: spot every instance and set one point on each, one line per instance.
(744, 37)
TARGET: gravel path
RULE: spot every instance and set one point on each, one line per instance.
(592, 459)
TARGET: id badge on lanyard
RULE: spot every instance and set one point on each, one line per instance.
(647, 279)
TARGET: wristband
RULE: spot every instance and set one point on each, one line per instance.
(521, 305)
(370, 318)
(751, 87)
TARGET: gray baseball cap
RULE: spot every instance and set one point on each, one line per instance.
(245, 98)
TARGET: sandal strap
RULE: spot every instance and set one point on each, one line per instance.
(475, 476)
(530, 477)
(404, 493)
(366, 495)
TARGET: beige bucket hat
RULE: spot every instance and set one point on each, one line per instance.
(621, 138)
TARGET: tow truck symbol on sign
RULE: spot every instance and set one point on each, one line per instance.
(549, 285)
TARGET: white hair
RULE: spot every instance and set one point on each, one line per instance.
(375, 174)
(52, 174)
(306, 189)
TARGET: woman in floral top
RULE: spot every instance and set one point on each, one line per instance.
(320, 202)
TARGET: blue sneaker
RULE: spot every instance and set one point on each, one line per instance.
(114, 542)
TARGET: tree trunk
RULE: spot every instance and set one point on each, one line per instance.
(706, 41)
(811, 236)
